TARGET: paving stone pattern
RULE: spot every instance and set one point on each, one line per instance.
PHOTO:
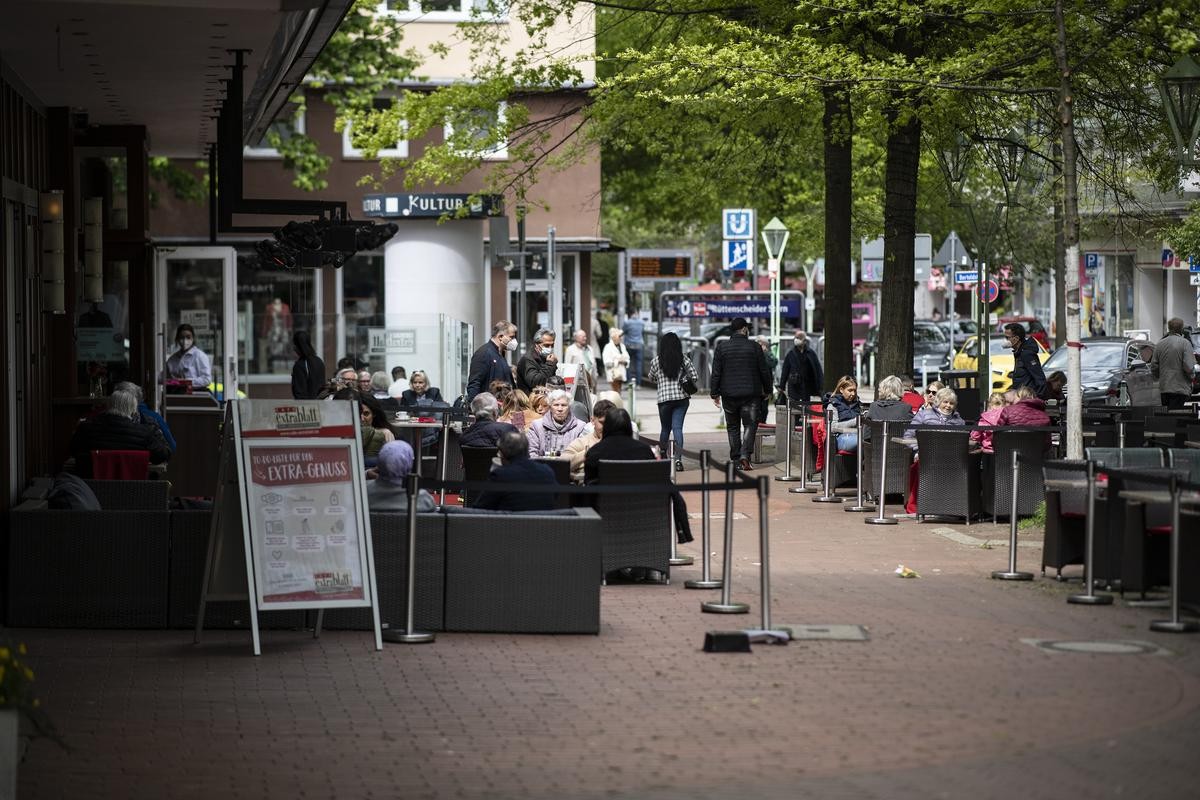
(943, 700)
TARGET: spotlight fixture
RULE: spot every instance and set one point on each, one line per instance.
(320, 243)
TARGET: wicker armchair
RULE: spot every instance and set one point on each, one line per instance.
(997, 474)
(1066, 515)
(899, 459)
(1145, 532)
(540, 574)
(1185, 458)
(637, 527)
(131, 495)
(949, 474)
(477, 465)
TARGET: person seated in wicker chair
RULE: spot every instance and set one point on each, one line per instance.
(550, 435)
(989, 417)
(944, 411)
(844, 400)
(374, 427)
(593, 432)
(517, 467)
(117, 429)
(618, 444)
(387, 492)
(486, 431)
(889, 402)
(910, 395)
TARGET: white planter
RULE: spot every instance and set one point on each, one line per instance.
(9, 756)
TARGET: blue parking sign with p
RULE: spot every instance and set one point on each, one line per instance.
(737, 223)
(737, 255)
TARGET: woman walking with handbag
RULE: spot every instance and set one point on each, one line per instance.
(675, 376)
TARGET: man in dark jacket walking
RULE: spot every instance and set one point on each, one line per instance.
(740, 380)
(801, 377)
(1173, 364)
(1027, 366)
(538, 365)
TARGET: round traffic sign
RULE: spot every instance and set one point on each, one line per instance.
(989, 292)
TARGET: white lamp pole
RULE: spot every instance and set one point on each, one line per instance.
(775, 237)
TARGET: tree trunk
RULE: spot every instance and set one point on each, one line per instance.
(1074, 388)
(1060, 253)
(839, 148)
(899, 228)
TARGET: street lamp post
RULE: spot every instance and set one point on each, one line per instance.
(775, 237)
(1180, 90)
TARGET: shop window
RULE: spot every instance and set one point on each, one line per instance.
(482, 123)
(399, 151)
(363, 307)
(272, 304)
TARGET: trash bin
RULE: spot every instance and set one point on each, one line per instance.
(965, 382)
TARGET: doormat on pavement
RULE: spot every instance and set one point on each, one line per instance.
(700, 515)
(1112, 647)
(827, 633)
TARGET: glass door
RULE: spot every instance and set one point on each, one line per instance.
(197, 286)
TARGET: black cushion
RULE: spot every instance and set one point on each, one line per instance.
(72, 492)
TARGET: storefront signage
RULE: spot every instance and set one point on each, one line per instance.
(100, 345)
(429, 206)
(704, 307)
(382, 341)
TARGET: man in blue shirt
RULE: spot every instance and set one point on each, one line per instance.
(634, 329)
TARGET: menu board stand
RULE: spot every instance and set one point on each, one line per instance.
(291, 481)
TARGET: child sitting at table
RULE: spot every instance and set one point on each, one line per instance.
(990, 416)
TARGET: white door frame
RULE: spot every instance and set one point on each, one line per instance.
(162, 255)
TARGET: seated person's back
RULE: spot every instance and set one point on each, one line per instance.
(517, 467)
(617, 444)
(486, 431)
(116, 429)
(388, 491)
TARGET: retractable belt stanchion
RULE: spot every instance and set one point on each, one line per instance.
(1175, 624)
(1089, 596)
(675, 559)
(784, 426)
(881, 490)
(442, 460)
(726, 604)
(803, 488)
(827, 496)
(764, 557)
(1012, 574)
(410, 635)
(706, 579)
(1121, 433)
(859, 505)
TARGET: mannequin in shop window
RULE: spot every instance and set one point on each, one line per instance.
(276, 335)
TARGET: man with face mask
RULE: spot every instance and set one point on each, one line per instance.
(801, 375)
(189, 362)
(490, 361)
(539, 364)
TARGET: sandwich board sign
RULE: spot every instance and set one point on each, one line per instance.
(291, 502)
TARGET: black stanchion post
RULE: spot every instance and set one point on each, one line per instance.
(859, 505)
(442, 460)
(830, 453)
(410, 635)
(764, 555)
(706, 579)
(881, 499)
(726, 604)
(1012, 574)
(1089, 596)
(675, 560)
(784, 426)
(1175, 624)
(803, 488)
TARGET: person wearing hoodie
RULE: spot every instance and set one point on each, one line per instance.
(551, 434)
(845, 402)
(990, 417)
(943, 411)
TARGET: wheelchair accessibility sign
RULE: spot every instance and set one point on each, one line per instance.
(737, 255)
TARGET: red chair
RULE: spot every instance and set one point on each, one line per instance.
(120, 465)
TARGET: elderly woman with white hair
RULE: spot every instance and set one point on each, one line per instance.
(558, 428)
(388, 492)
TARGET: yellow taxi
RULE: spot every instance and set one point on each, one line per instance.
(1000, 358)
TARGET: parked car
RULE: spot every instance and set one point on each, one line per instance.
(1033, 328)
(958, 332)
(1000, 360)
(1104, 361)
(931, 348)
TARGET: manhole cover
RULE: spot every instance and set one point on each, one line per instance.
(829, 633)
(1117, 647)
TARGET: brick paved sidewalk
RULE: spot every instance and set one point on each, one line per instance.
(943, 700)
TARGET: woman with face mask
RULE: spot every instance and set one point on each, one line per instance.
(189, 362)
(550, 434)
